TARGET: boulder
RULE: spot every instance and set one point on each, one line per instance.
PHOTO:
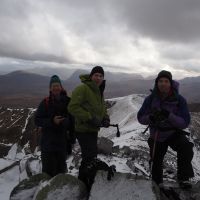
(105, 145)
(63, 187)
(26, 189)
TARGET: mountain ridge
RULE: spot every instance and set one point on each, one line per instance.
(19, 87)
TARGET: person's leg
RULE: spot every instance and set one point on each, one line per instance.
(159, 149)
(48, 163)
(88, 144)
(61, 165)
(184, 150)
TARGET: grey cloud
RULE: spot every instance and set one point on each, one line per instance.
(25, 26)
(33, 57)
(14, 9)
(171, 20)
(179, 52)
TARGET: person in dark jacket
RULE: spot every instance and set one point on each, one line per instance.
(166, 113)
(57, 128)
(87, 105)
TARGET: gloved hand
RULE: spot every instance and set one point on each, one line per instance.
(111, 171)
(165, 113)
(158, 116)
(154, 116)
(95, 122)
(65, 123)
(106, 121)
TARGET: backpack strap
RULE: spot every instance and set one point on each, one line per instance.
(46, 101)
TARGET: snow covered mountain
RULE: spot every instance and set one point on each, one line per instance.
(130, 152)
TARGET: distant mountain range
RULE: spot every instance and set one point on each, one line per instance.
(63, 73)
(22, 88)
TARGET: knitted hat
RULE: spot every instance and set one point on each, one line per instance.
(54, 79)
(164, 74)
(97, 69)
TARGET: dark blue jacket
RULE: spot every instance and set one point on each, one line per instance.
(179, 117)
(54, 137)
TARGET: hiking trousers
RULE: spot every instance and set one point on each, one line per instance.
(184, 149)
(53, 162)
(88, 144)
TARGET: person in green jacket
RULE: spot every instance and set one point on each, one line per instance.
(87, 105)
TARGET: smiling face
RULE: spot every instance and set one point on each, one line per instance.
(164, 85)
(97, 78)
(55, 88)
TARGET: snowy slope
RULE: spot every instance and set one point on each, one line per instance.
(124, 113)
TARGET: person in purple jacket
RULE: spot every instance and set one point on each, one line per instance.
(166, 113)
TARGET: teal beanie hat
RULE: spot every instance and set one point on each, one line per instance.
(54, 79)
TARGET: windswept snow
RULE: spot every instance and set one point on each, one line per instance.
(8, 180)
(124, 113)
(31, 111)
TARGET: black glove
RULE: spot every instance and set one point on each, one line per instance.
(154, 116)
(158, 116)
(95, 122)
(65, 123)
(106, 122)
(111, 171)
(165, 113)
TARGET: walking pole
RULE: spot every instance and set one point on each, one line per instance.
(145, 130)
(153, 153)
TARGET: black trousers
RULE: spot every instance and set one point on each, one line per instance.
(184, 149)
(88, 144)
(53, 163)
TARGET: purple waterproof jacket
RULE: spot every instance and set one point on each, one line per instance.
(179, 117)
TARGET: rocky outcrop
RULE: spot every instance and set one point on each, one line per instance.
(63, 187)
(105, 145)
(26, 189)
(41, 187)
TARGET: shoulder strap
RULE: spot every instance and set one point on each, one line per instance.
(46, 101)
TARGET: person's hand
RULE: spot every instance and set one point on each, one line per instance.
(154, 116)
(65, 123)
(158, 116)
(106, 121)
(58, 119)
(165, 113)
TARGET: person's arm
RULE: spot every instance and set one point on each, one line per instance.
(72, 130)
(144, 112)
(75, 106)
(183, 119)
(41, 117)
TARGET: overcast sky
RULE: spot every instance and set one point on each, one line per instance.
(138, 36)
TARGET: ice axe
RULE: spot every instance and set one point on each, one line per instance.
(118, 132)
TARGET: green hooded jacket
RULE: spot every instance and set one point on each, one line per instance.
(87, 102)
